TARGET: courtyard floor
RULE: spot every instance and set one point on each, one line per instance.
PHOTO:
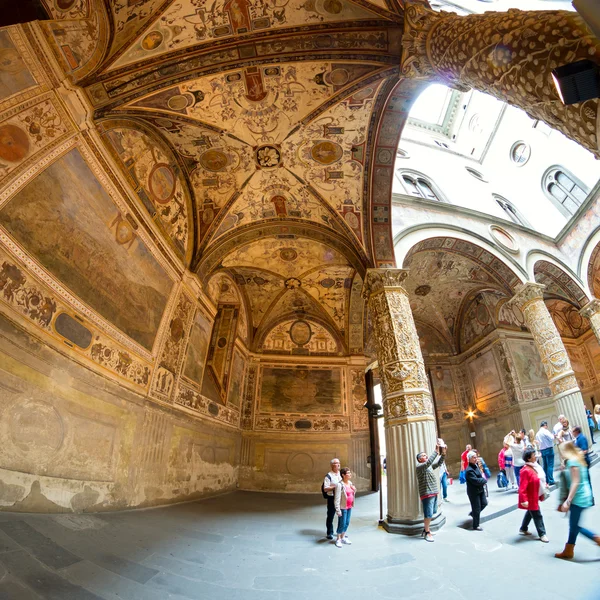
(253, 546)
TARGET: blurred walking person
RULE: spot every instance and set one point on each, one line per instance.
(476, 488)
(579, 497)
(531, 491)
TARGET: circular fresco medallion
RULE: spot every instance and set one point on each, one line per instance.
(259, 280)
(268, 157)
(14, 143)
(333, 7)
(339, 77)
(328, 283)
(574, 319)
(179, 102)
(165, 123)
(362, 94)
(64, 4)
(222, 342)
(162, 183)
(482, 315)
(351, 219)
(124, 232)
(288, 254)
(214, 160)
(300, 332)
(326, 152)
(177, 329)
(423, 290)
(208, 214)
(152, 40)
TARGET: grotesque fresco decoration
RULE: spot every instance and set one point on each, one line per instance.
(566, 317)
(68, 222)
(301, 390)
(298, 336)
(155, 179)
(528, 363)
(182, 25)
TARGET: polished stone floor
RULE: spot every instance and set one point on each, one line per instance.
(253, 546)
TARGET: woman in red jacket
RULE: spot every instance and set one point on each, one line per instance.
(531, 490)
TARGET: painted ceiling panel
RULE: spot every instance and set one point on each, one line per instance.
(330, 287)
(261, 289)
(259, 104)
(271, 194)
(288, 258)
(189, 22)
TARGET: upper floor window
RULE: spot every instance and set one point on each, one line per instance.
(520, 153)
(419, 185)
(564, 189)
(511, 211)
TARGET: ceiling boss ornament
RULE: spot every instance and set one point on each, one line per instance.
(268, 157)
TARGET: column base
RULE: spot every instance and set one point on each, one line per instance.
(412, 527)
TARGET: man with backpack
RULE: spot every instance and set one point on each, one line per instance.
(328, 490)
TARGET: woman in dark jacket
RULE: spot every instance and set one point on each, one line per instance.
(475, 489)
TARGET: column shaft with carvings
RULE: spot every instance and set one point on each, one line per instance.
(407, 404)
(509, 55)
(591, 311)
(567, 396)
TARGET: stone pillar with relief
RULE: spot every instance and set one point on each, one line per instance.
(567, 397)
(407, 404)
(509, 55)
(591, 311)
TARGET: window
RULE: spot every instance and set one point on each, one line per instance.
(402, 153)
(520, 153)
(509, 208)
(419, 185)
(476, 174)
(565, 191)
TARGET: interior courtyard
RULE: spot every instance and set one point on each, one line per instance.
(241, 238)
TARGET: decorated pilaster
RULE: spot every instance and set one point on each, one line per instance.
(591, 311)
(567, 396)
(509, 55)
(407, 404)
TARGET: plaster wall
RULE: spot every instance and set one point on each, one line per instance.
(76, 441)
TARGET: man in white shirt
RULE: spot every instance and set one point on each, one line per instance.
(545, 439)
(329, 484)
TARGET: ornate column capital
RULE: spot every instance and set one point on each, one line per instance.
(379, 280)
(591, 309)
(526, 293)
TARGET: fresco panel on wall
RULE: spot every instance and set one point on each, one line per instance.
(68, 222)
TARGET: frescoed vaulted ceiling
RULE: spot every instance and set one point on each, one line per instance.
(259, 137)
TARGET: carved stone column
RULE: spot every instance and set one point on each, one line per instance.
(591, 311)
(508, 55)
(567, 396)
(407, 404)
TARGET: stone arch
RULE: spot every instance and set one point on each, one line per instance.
(455, 239)
(589, 263)
(388, 124)
(560, 281)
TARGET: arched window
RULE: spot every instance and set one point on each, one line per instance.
(416, 184)
(509, 208)
(565, 191)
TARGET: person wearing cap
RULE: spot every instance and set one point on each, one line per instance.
(429, 486)
(476, 488)
(545, 439)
